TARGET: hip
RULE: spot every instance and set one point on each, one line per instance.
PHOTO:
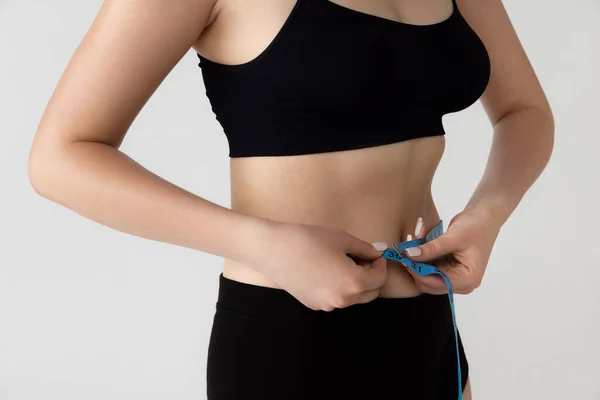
(264, 343)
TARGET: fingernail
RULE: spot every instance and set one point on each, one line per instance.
(413, 251)
(380, 246)
(409, 237)
(419, 226)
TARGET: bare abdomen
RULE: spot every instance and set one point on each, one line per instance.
(376, 194)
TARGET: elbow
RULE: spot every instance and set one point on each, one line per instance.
(42, 169)
(35, 169)
(548, 117)
(547, 130)
(533, 126)
(539, 120)
(541, 125)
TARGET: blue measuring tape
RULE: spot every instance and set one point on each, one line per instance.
(398, 254)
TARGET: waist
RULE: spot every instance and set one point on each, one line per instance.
(372, 219)
(273, 304)
(376, 194)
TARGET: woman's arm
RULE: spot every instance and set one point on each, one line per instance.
(521, 147)
(75, 161)
(518, 110)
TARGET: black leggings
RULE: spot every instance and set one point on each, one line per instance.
(266, 345)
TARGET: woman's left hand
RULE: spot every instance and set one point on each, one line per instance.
(462, 253)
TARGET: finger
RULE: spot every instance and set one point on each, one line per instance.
(437, 289)
(436, 248)
(367, 296)
(360, 249)
(461, 277)
(433, 284)
(432, 281)
(375, 275)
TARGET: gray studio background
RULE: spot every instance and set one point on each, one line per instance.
(90, 313)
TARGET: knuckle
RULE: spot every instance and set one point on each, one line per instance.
(469, 288)
(479, 281)
(465, 290)
(472, 286)
(356, 286)
(336, 302)
(430, 248)
(327, 308)
(340, 301)
(352, 285)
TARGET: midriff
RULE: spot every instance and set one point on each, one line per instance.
(375, 194)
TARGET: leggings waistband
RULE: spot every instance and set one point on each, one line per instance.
(266, 302)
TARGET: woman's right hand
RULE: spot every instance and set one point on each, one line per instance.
(316, 264)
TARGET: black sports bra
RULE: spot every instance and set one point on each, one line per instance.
(335, 78)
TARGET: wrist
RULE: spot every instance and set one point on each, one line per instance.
(494, 212)
(253, 238)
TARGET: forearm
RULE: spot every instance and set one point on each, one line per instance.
(522, 145)
(101, 183)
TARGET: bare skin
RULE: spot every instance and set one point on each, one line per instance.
(313, 208)
(376, 204)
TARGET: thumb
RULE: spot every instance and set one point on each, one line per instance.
(432, 250)
(359, 249)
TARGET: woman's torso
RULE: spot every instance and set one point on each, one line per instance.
(376, 192)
